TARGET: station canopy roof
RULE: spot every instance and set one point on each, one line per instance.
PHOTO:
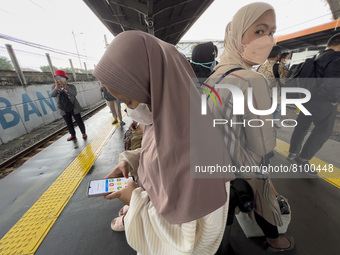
(314, 37)
(334, 5)
(168, 20)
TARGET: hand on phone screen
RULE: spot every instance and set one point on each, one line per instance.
(106, 186)
(121, 170)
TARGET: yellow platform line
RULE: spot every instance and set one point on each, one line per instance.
(325, 168)
(29, 232)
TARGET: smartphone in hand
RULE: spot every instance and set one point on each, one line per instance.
(106, 186)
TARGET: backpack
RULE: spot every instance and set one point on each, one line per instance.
(64, 102)
(276, 70)
(304, 75)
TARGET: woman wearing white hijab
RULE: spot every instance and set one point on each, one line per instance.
(248, 42)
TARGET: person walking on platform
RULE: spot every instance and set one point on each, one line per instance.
(67, 103)
(170, 212)
(322, 106)
(248, 42)
(114, 106)
(270, 70)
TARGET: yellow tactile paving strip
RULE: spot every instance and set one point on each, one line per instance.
(326, 174)
(28, 233)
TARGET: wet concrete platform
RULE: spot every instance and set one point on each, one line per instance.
(83, 227)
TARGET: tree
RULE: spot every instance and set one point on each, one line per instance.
(5, 64)
(66, 69)
(47, 68)
(69, 70)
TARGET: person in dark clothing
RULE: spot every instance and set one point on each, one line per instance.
(216, 53)
(268, 71)
(203, 60)
(322, 106)
(67, 103)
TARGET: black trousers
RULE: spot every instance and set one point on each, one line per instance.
(68, 119)
(323, 117)
(268, 229)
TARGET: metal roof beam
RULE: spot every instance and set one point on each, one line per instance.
(165, 5)
(149, 7)
(133, 5)
(115, 15)
(172, 22)
(150, 22)
(167, 16)
(176, 33)
(125, 24)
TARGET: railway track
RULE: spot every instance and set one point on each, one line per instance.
(12, 163)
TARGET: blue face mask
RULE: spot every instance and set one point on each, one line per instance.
(206, 65)
(212, 66)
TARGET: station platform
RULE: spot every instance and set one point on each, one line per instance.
(44, 208)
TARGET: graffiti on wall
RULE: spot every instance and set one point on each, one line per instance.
(23, 109)
(9, 117)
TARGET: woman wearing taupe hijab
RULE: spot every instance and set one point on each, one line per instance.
(248, 42)
(170, 212)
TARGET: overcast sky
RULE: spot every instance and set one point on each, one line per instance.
(51, 22)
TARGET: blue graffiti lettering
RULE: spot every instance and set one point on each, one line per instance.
(43, 100)
(26, 100)
(8, 110)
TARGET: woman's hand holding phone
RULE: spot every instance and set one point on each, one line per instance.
(62, 84)
(59, 83)
(121, 170)
(57, 86)
(125, 194)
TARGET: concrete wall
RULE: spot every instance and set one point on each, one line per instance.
(23, 109)
(10, 78)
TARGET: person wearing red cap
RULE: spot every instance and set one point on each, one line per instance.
(67, 103)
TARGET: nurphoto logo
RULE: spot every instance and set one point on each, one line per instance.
(239, 103)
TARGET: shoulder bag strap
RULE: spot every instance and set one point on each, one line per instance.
(227, 73)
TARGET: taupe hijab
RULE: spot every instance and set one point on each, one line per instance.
(235, 29)
(142, 67)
